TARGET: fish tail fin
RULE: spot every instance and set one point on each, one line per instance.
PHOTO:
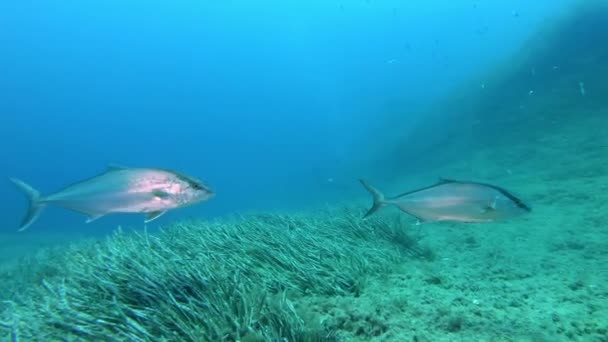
(35, 203)
(378, 197)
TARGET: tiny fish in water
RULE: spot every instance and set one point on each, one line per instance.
(454, 201)
(120, 190)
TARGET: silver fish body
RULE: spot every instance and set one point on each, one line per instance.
(454, 201)
(121, 190)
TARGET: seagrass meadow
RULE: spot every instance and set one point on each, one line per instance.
(251, 278)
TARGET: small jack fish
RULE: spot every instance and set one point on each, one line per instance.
(453, 201)
(120, 190)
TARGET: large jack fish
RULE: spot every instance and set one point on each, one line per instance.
(454, 201)
(120, 190)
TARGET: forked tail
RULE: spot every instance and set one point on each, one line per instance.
(378, 197)
(35, 203)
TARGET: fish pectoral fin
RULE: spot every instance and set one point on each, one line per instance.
(154, 215)
(93, 217)
(489, 207)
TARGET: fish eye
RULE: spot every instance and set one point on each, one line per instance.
(196, 186)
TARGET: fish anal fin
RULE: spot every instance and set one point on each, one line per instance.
(153, 215)
(93, 217)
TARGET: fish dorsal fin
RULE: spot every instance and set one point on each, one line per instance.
(442, 180)
(116, 167)
(154, 215)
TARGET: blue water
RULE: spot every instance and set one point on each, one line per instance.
(266, 100)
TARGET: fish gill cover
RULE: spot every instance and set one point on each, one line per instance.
(327, 275)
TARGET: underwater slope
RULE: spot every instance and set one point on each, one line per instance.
(558, 75)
